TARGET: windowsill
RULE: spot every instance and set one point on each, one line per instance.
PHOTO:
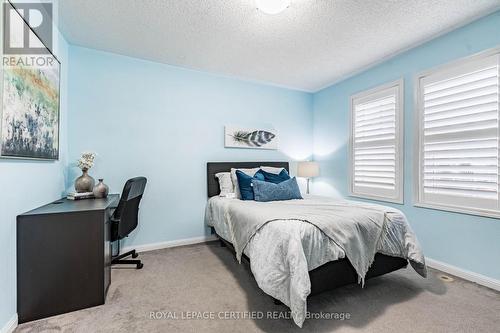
(467, 211)
(369, 197)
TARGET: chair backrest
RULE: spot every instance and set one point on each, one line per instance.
(128, 208)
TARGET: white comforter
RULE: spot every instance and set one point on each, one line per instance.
(282, 252)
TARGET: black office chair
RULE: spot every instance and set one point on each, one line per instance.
(125, 218)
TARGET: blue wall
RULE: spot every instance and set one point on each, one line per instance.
(25, 185)
(164, 122)
(468, 242)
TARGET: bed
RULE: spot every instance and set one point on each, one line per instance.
(291, 258)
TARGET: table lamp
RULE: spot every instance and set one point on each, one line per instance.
(308, 170)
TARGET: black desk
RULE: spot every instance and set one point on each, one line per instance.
(63, 257)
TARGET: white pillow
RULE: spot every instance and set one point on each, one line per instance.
(250, 172)
(225, 184)
(273, 170)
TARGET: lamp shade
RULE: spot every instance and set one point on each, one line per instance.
(272, 6)
(308, 169)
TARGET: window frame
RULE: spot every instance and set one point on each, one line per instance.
(445, 70)
(399, 141)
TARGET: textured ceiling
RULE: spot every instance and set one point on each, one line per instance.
(308, 46)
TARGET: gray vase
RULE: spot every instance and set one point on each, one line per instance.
(101, 190)
(84, 183)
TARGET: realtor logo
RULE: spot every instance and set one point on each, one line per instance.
(18, 37)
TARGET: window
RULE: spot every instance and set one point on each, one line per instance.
(457, 137)
(376, 168)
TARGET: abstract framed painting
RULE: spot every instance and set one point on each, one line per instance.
(30, 115)
(252, 138)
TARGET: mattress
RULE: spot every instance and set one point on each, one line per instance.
(318, 248)
(283, 251)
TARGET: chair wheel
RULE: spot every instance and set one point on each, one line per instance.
(140, 265)
(135, 255)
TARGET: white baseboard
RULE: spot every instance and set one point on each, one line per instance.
(464, 274)
(10, 326)
(167, 244)
(450, 269)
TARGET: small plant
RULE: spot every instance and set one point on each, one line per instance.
(86, 161)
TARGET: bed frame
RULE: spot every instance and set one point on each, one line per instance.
(326, 277)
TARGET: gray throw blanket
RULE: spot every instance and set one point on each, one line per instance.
(357, 229)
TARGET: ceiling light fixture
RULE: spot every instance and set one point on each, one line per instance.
(272, 6)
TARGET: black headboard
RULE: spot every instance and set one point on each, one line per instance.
(216, 167)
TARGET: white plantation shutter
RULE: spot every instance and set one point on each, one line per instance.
(459, 136)
(376, 143)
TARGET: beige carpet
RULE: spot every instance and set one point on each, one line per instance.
(206, 278)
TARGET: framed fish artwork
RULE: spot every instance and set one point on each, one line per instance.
(253, 138)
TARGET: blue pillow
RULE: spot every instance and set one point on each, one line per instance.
(275, 178)
(245, 183)
(266, 191)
